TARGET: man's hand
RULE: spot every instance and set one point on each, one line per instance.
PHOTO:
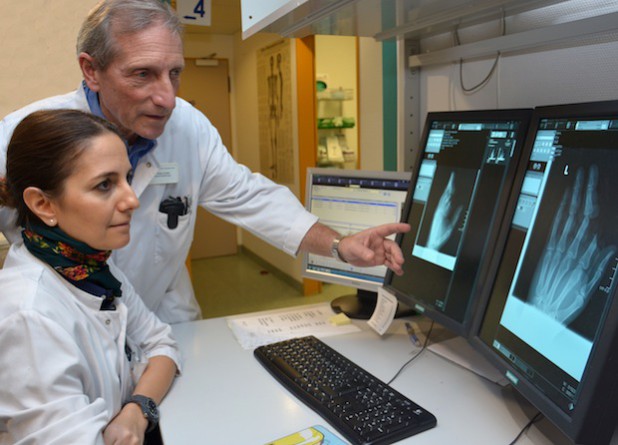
(371, 247)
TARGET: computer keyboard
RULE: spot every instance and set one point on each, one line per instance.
(365, 410)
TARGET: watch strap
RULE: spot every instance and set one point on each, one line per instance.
(334, 249)
(149, 409)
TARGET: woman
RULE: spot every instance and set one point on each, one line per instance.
(83, 360)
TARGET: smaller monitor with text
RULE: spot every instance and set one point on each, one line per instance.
(350, 201)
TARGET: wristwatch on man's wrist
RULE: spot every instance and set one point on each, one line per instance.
(149, 408)
(334, 249)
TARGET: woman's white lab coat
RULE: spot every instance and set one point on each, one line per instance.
(190, 162)
(64, 371)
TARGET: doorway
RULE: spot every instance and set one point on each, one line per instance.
(205, 84)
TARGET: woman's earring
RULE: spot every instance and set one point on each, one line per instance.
(52, 222)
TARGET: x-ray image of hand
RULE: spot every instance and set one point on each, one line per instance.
(445, 219)
(574, 258)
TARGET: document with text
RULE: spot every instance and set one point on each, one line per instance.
(260, 328)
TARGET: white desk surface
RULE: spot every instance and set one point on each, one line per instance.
(226, 397)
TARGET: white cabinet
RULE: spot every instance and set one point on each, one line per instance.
(556, 22)
(258, 14)
(382, 19)
(300, 18)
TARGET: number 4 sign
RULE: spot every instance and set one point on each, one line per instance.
(194, 12)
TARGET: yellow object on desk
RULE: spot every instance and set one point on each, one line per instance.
(339, 320)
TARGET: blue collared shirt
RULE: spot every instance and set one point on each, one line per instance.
(138, 149)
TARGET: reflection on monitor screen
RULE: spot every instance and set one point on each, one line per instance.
(464, 174)
(550, 320)
(350, 201)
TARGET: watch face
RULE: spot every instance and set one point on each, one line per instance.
(152, 407)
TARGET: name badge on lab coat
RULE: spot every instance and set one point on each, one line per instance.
(167, 174)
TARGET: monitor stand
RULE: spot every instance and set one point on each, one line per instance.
(362, 305)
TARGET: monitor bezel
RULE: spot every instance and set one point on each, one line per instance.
(365, 285)
(582, 425)
(464, 327)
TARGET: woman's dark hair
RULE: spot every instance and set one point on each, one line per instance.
(43, 152)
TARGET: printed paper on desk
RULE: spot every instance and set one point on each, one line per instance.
(260, 328)
(384, 314)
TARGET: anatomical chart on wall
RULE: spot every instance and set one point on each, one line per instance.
(275, 112)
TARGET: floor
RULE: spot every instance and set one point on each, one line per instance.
(236, 284)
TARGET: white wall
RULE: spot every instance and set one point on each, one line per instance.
(544, 78)
(558, 75)
(35, 66)
(370, 104)
(38, 49)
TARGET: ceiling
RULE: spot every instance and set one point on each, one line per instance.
(224, 19)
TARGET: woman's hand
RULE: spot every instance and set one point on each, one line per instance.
(127, 428)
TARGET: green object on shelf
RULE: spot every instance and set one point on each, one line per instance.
(325, 123)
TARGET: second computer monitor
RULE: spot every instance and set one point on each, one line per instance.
(551, 319)
(350, 201)
(462, 180)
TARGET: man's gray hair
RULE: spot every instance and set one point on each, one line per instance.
(112, 18)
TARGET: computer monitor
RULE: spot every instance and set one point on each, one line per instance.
(551, 317)
(350, 201)
(462, 179)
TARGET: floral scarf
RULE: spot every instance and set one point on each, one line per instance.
(81, 265)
